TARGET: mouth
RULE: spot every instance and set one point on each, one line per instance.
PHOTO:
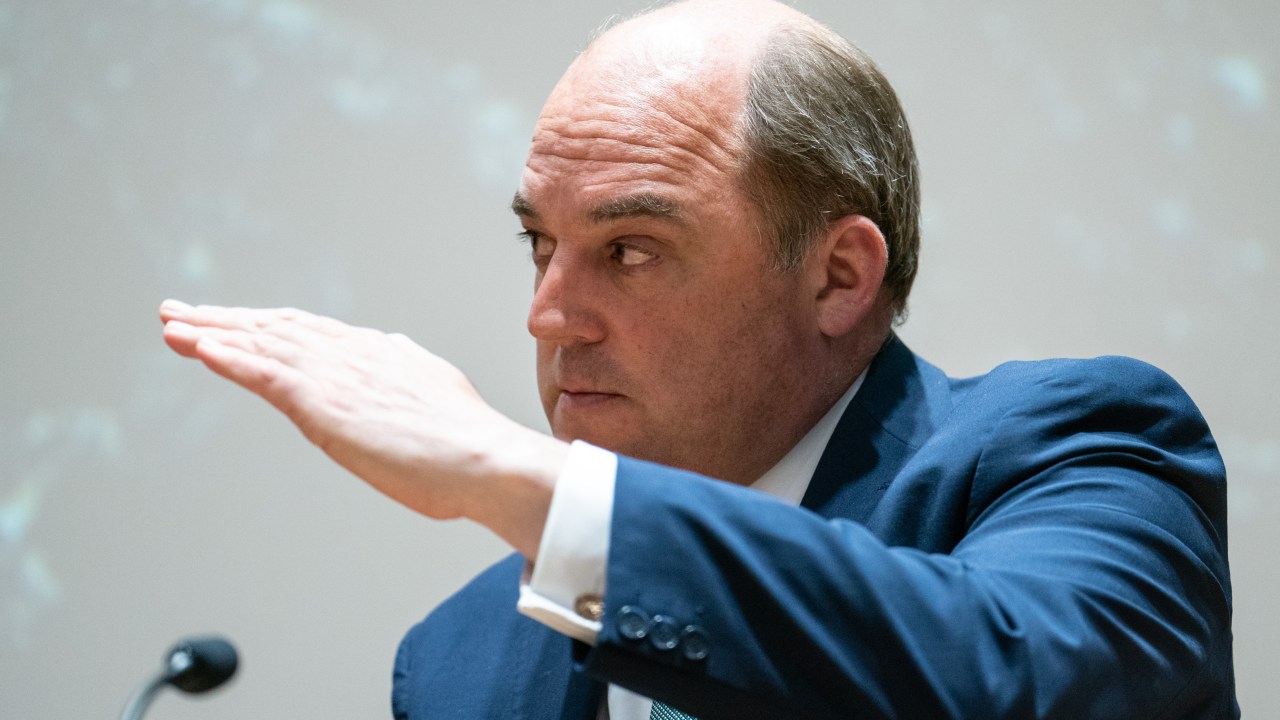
(581, 399)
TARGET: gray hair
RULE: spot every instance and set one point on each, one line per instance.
(826, 137)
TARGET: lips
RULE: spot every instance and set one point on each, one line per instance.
(583, 384)
(583, 399)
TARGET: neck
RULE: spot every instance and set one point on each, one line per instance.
(815, 395)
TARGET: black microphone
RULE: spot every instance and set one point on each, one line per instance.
(194, 665)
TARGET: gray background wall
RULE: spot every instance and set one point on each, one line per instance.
(1099, 178)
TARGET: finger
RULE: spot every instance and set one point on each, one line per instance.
(241, 318)
(170, 309)
(181, 337)
(266, 377)
(215, 315)
(291, 348)
(293, 317)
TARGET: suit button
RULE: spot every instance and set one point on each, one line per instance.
(633, 623)
(665, 633)
(693, 643)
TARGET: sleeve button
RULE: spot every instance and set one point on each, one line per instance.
(633, 623)
(693, 643)
(665, 633)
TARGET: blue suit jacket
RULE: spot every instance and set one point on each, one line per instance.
(1048, 540)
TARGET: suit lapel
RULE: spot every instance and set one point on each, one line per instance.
(897, 408)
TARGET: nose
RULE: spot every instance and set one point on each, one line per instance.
(566, 308)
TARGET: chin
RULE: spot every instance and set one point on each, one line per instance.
(622, 443)
(625, 440)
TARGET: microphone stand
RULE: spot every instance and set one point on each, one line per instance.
(141, 699)
(193, 666)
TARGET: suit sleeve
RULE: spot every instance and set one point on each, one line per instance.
(1073, 564)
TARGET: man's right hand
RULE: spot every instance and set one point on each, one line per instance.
(402, 419)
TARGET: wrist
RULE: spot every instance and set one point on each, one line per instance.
(523, 470)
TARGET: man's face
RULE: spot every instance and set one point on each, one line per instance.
(663, 330)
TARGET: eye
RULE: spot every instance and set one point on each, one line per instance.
(628, 255)
(540, 246)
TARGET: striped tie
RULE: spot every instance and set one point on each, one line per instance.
(663, 711)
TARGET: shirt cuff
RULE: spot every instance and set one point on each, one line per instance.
(564, 590)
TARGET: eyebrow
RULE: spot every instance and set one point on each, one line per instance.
(643, 204)
(638, 205)
(521, 206)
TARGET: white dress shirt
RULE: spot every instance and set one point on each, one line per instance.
(574, 550)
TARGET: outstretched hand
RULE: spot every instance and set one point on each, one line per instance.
(399, 417)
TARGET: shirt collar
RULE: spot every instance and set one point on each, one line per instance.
(789, 479)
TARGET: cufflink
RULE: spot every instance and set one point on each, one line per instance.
(589, 606)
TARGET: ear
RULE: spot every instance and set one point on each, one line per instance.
(849, 266)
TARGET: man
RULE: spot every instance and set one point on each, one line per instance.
(721, 205)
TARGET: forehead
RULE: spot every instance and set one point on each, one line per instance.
(602, 136)
(650, 109)
(621, 131)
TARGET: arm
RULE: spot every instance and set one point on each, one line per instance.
(1088, 579)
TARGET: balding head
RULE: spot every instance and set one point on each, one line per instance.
(694, 56)
(816, 131)
(723, 34)
(689, 61)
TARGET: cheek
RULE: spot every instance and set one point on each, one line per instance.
(699, 356)
(751, 338)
